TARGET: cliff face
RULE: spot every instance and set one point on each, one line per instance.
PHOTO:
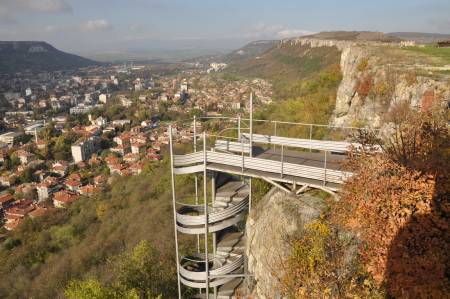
(274, 226)
(377, 75)
(370, 88)
(277, 218)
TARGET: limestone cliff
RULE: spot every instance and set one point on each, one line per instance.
(276, 218)
(273, 227)
(378, 75)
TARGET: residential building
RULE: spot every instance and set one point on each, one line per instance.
(10, 137)
(102, 98)
(64, 198)
(6, 200)
(84, 149)
(25, 157)
(47, 188)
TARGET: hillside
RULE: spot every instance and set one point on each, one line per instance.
(93, 239)
(250, 51)
(419, 37)
(347, 78)
(21, 56)
(355, 36)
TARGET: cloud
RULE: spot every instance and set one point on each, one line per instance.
(95, 25)
(51, 28)
(47, 6)
(11, 9)
(265, 31)
(135, 27)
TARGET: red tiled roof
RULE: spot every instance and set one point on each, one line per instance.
(99, 179)
(11, 225)
(6, 197)
(23, 153)
(38, 212)
(138, 144)
(72, 183)
(65, 196)
(74, 176)
(90, 189)
(48, 182)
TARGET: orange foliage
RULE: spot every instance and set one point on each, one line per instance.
(364, 87)
(398, 204)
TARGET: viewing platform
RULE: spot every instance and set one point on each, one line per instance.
(230, 152)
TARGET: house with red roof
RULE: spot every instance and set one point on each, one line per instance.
(136, 168)
(123, 139)
(15, 214)
(131, 157)
(111, 159)
(38, 212)
(121, 149)
(60, 167)
(73, 185)
(64, 198)
(99, 180)
(75, 176)
(117, 169)
(41, 144)
(25, 157)
(46, 188)
(154, 157)
(137, 148)
(90, 190)
(6, 200)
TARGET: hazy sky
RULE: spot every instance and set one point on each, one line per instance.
(110, 25)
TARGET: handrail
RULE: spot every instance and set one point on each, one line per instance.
(271, 166)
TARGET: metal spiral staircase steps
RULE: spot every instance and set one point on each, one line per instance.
(229, 207)
(227, 210)
(228, 259)
(225, 291)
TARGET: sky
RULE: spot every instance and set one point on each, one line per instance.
(83, 26)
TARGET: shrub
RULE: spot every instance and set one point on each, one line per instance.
(319, 267)
(363, 65)
(364, 86)
(397, 202)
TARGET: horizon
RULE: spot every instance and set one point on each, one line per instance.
(103, 27)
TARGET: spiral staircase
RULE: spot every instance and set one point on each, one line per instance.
(228, 209)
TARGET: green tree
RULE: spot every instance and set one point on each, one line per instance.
(143, 270)
(92, 289)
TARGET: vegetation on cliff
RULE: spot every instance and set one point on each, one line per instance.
(397, 205)
(120, 243)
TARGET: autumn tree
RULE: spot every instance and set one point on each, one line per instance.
(397, 202)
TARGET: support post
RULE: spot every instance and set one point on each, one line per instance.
(251, 124)
(239, 128)
(195, 134)
(282, 160)
(205, 198)
(196, 178)
(250, 195)
(275, 130)
(174, 210)
(242, 155)
(310, 134)
(213, 198)
(325, 169)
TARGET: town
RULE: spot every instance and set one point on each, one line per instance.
(65, 135)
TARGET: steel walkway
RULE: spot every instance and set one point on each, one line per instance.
(291, 164)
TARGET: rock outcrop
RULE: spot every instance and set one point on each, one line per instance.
(370, 89)
(276, 218)
(376, 76)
